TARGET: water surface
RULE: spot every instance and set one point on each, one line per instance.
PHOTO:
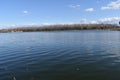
(60, 55)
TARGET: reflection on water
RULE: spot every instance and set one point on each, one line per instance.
(63, 55)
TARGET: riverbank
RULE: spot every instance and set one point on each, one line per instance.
(61, 27)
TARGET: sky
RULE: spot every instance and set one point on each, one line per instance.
(37, 12)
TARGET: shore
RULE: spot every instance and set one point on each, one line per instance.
(61, 27)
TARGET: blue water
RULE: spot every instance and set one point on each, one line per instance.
(60, 55)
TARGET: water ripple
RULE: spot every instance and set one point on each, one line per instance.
(72, 55)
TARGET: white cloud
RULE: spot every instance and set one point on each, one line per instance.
(112, 5)
(89, 10)
(94, 22)
(77, 6)
(47, 23)
(25, 12)
(109, 20)
(112, 19)
(13, 25)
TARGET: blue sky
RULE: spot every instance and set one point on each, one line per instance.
(24, 12)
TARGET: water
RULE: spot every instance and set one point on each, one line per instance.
(63, 55)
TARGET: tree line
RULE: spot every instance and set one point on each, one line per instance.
(59, 27)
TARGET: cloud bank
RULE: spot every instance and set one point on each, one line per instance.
(110, 20)
(114, 5)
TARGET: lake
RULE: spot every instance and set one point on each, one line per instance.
(60, 55)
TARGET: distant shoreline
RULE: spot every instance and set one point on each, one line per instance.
(63, 27)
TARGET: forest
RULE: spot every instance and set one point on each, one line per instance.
(60, 27)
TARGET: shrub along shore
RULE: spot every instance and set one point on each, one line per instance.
(60, 27)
